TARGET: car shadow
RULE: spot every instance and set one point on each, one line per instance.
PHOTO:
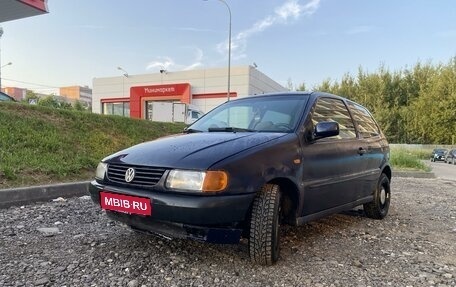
(185, 251)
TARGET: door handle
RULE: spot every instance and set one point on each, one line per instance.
(361, 151)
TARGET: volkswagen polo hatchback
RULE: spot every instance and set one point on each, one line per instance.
(249, 166)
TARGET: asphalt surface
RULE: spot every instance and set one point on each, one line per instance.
(443, 170)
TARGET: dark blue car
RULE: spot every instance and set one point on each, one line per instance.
(438, 154)
(249, 166)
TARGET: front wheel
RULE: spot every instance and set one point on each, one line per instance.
(378, 208)
(265, 226)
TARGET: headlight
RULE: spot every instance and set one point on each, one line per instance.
(209, 181)
(101, 170)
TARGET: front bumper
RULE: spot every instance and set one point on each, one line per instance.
(214, 218)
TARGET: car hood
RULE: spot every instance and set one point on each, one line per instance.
(190, 151)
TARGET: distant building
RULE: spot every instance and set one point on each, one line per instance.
(77, 93)
(133, 95)
(17, 93)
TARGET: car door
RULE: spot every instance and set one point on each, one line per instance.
(333, 167)
(375, 143)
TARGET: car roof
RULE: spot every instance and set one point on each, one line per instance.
(8, 96)
(293, 93)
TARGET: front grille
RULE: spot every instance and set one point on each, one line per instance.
(144, 175)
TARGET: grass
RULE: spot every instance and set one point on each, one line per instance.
(40, 145)
(409, 159)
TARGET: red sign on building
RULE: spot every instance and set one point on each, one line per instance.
(174, 92)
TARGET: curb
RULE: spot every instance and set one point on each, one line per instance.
(26, 195)
(415, 174)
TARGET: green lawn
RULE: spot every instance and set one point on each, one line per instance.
(409, 159)
(40, 145)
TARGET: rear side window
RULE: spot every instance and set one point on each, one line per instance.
(366, 124)
(334, 110)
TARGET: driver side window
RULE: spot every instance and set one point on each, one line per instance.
(334, 110)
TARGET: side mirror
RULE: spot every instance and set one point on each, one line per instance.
(325, 130)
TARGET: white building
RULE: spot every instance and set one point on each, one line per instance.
(129, 95)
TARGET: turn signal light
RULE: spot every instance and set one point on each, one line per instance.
(215, 181)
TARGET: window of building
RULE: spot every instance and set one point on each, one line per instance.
(334, 110)
(116, 108)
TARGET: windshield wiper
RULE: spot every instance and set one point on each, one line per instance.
(190, 131)
(229, 129)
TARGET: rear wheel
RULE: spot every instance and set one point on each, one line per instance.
(265, 226)
(378, 208)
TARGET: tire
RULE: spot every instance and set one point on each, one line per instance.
(378, 208)
(264, 235)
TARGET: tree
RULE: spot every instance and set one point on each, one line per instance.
(49, 101)
(79, 106)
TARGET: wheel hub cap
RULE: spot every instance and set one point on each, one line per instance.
(382, 196)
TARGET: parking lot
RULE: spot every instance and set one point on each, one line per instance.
(72, 243)
(443, 170)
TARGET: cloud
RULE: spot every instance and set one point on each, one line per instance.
(161, 63)
(359, 30)
(167, 63)
(197, 60)
(290, 10)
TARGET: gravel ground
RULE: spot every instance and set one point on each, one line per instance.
(72, 243)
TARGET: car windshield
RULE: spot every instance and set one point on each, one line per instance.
(440, 150)
(256, 114)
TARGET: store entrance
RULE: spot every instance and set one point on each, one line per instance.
(163, 111)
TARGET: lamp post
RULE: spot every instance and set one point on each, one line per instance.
(1, 33)
(125, 75)
(229, 48)
(1, 67)
(125, 72)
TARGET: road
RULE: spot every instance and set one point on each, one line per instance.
(443, 170)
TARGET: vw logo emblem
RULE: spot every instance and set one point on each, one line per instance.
(129, 174)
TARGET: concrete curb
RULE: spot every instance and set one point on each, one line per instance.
(415, 174)
(26, 195)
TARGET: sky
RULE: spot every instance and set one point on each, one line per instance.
(297, 41)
